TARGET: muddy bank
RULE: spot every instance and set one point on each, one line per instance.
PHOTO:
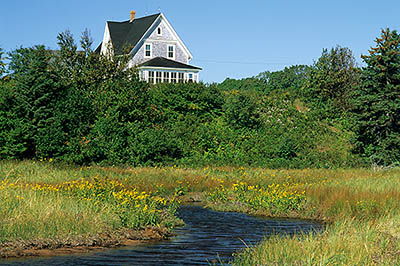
(84, 244)
(73, 245)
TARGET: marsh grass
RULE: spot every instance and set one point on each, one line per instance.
(31, 214)
(73, 202)
(361, 207)
(345, 242)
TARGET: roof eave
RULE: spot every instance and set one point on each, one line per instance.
(170, 68)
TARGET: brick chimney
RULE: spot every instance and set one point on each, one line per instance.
(133, 13)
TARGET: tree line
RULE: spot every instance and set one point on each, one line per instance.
(80, 107)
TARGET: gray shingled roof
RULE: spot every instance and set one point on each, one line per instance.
(164, 62)
(128, 33)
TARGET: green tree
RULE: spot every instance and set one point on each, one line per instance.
(291, 79)
(2, 63)
(377, 101)
(86, 42)
(14, 130)
(332, 79)
(103, 97)
(37, 94)
(75, 110)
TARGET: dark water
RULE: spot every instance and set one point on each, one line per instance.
(208, 237)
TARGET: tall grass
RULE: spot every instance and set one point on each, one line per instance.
(36, 215)
(361, 207)
(346, 242)
(41, 200)
(362, 211)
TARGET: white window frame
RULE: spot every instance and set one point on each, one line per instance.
(174, 77)
(159, 76)
(191, 79)
(151, 50)
(151, 77)
(173, 51)
(181, 77)
(166, 77)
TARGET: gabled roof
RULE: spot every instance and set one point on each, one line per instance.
(128, 33)
(166, 63)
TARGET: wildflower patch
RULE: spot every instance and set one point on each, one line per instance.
(134, 209)
(274, 198)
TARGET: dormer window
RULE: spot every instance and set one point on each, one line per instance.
(147, 50)
(159, 31)
(171, 51)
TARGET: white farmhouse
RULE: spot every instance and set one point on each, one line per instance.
(154, 47)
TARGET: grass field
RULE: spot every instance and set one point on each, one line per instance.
(47, 200)
(44, 204)
(361, 209)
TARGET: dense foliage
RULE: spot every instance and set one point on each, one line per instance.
(332, 79)
(84, 108)
(377, 101)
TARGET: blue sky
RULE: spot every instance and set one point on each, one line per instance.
(234, 39)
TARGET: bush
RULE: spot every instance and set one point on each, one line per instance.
(84, 108)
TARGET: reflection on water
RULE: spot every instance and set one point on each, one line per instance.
(207, 237)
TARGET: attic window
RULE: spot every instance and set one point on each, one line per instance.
(147, 50)
(159, 31)
(171, 51)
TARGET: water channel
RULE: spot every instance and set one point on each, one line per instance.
(208, 237)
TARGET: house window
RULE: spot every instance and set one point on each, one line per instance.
(171, 51)
(147, 50)
(190, 77)
(180, 77)
(173, 77)
(166, 77)
(158, 77)
(159, 31)
(151, 77)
